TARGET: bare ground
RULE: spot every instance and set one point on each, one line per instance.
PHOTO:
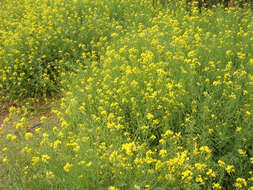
(3, 113)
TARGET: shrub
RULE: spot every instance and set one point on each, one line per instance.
(166, 104)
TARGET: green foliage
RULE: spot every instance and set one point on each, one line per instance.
(44, 39)
(152, 99)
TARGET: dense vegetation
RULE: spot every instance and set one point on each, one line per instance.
(151, 97)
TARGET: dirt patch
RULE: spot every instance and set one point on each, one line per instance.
(4, 112)
(45, 111)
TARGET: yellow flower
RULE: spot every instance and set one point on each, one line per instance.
(45, 135)
(221, 163)
(129, 148)
(35, 160)
(187, 174)
(147, 187)
(162, 141)
(28, 135)
(112, 188)
(42, 118)
(37, 130)
(205, 149)
(88, 164)
(153, 137)
(56, 143)
(216, 83)
(114, 34)
(228, 52)
(19, 125)
(248, 113)
(240, 182)
(211, 173)
(199, 179)
(210, 131)
(216, 186)
(242, 152)
(230, 169)
(6, 120)
(67, 167)
(137, 187)
(163, 153)
(150, 116)
(5, 159)
(81, 163)
(12, 109)
(26, 149)
(167, 133)
(241, 55)
(251, 61)
(191, 53)
(238, 129)
(200, 166)
(11, 137)
(76, 149)
(49, 174)
(45, 158)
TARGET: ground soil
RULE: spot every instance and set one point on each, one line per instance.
(3, 113)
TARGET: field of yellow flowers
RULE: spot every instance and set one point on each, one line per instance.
(148, 97)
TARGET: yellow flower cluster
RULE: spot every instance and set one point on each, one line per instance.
(157, 99)
(44, 40)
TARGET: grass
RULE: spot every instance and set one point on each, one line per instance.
(136, 97)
